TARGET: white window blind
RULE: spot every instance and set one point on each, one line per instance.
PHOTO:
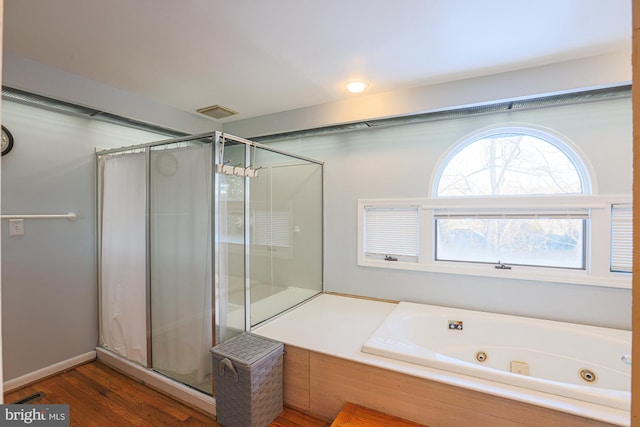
(621, 238)
(391, 231)
(271, 228)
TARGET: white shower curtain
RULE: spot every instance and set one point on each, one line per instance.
(181, 303)
(123, 262)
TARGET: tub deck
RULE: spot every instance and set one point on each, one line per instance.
(324, 338)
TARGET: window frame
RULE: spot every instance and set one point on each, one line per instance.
(480, 213)
(584, 169)
(596, 273)
(597, 237)
(394, 255)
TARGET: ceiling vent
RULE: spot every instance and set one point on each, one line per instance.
(217, 111)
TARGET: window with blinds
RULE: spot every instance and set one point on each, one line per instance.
(621, 238)
(508, 201)
(569, 239)
(391, 233)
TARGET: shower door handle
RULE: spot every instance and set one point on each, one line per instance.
(228, 364)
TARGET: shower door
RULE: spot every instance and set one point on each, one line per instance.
(285, 241)
(180, 262)
(230, 272)
(268, 247)
(189, 258)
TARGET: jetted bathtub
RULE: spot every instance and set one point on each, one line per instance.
(587, 363)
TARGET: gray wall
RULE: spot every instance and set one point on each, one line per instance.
(400, 161)
(23, 73)
(558, 77)
(48, 276)
(49, 291)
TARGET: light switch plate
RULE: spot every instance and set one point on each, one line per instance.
(16, 227)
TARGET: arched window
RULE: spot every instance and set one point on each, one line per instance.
(512, 161)
(510, 202)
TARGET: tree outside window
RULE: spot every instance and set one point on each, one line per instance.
(511, 164)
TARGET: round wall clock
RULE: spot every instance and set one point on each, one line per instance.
(7, 141)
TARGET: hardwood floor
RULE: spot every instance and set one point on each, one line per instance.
(353, 415)
(100, 396)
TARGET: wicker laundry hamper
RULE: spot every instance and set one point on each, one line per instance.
(248, 380)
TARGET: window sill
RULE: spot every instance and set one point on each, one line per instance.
(614, 280)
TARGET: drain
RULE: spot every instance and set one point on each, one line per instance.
(588, 375)
(31, 398)
(481, 356)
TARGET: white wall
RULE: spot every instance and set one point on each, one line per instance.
(49, 300)
(399, 162)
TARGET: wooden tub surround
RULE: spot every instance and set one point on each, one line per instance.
(324, 369)
(320, 385)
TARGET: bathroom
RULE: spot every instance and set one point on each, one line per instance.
(51, 170)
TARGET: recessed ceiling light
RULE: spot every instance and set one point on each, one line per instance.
(356, 86)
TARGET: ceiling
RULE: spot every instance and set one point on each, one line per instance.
(262, 57)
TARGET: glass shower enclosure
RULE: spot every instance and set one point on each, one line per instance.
(201, 238)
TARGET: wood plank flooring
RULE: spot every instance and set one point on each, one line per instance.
(100, 396)
(353, 415)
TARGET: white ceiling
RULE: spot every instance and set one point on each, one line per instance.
(265, 56)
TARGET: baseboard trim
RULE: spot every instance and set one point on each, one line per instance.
(158, 382)
(49, 371)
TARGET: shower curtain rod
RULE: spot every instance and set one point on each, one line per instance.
(212, 135)
(71, 216)
(161, 142)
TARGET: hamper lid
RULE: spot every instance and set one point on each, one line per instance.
(246, 348)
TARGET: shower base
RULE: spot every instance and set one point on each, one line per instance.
(269, 306)
(177, 390)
